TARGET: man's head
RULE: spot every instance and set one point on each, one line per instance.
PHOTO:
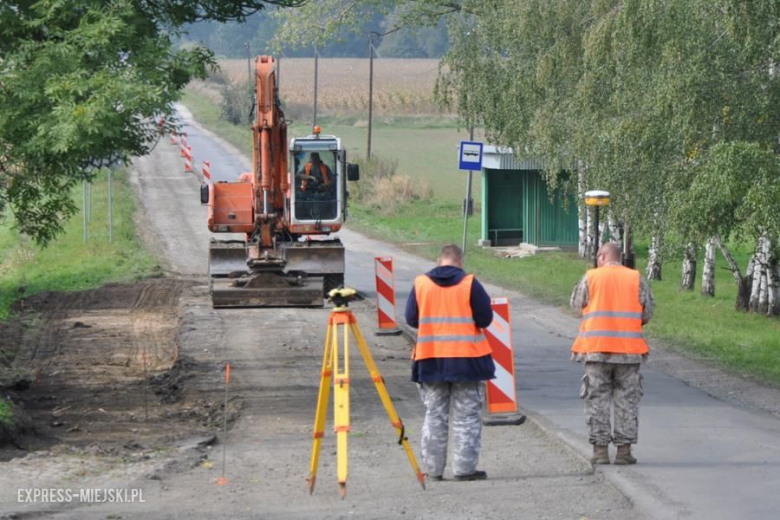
(450, 255)
(315, 157)
(608, 253)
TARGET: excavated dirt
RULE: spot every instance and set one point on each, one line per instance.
(101, 368)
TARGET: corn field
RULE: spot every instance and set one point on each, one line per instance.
(401, 86)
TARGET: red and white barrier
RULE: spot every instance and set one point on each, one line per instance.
(173, 139)
(182, 144)
(188, 159)
(501, 391)
(385, 294)
(205, 170)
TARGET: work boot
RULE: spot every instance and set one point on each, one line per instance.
(477, 475)
(623, 456)
(600, 454)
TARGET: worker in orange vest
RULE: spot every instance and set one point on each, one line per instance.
(452, 358)
(614, 302)
(315, 174)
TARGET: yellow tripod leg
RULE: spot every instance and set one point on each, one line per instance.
(379, 382)
(322, 407)
(341, 410)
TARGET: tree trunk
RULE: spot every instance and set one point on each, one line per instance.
(602, 233)
(653, 271)
(582, 212)
(766, 277)
(743, 282)
(774, 288)
(708, 272)
(615, 231)
(688, 280)
(757, 275)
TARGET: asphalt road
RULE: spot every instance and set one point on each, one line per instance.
(700, 457)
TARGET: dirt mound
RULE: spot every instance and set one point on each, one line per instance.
(97, 366)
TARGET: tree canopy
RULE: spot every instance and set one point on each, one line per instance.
(81, 85)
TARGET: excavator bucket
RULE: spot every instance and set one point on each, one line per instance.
(268, 289)
(233, 284)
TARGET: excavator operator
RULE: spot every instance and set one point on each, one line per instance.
(315, 174)
(315, 199)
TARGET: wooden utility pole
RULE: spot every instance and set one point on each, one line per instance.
(316, 79)
(370, 91)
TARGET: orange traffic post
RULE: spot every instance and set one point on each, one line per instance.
(188, 159)
(205, 171)
(502, 391)
(385, 296)
(221, 481)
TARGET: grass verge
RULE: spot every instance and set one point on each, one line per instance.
(707, 328)
(69, 264)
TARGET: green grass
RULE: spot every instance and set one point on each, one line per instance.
(68, 264)
(6, 413)
(709, 328)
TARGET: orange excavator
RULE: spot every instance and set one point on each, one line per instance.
(294, 197)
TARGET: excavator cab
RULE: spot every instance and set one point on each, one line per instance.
(316, 197)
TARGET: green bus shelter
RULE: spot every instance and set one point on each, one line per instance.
(517, 206)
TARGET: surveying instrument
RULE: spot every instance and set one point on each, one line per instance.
(335, 368)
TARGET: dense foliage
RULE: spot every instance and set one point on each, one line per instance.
(81, 84)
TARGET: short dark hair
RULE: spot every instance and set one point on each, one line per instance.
(452, 252)
(314, 154)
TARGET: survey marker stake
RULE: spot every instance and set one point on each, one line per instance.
(221, 481)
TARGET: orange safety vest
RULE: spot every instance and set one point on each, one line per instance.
(612, 320)
(447, 328)
(323, 171)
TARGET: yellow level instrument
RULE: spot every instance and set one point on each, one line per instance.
(335, 369)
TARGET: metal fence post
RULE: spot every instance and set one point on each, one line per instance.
(84, 207)
(110, 216)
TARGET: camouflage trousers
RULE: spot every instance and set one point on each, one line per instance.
(604, 384)
(464, 400)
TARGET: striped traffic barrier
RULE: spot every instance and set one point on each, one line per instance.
(385, 295)
(502, 391)
(188, 159)
(173, 139)
(182, 143)
(205, 170)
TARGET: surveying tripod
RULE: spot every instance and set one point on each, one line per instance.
(333, 370)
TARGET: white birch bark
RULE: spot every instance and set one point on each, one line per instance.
(582, 212)
(602, 233)
(653, 271)
(763, 286)
(708, 271)
(755, 271)
(615, 234)
(688, 280)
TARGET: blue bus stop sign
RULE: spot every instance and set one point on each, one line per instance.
(470, 157)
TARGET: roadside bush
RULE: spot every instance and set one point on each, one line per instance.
(6, 413)
(382, 188)
(236, 104)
